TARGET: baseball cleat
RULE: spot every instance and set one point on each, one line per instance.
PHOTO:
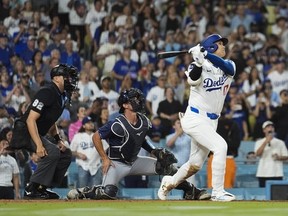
(77, 193)
(223, 197)
(165, 188)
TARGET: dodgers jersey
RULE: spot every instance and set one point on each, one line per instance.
(210, 93)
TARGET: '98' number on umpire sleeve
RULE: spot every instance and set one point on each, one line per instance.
(37, 104)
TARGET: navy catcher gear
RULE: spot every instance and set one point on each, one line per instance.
(209, 43)
(133, 96)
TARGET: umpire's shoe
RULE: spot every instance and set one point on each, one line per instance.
(36, 191)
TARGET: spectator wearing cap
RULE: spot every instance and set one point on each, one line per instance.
(87, 158)
(279, 76)
(69, 56)
(6, 52)
(30, 49)
(20, 37)
(111, 95)
(280, 117)
(272, 152)
(109, 53)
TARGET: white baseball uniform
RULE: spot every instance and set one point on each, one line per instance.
(207, 95)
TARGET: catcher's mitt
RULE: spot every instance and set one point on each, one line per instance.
(164, 157)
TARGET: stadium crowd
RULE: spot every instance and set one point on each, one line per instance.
(114, 45)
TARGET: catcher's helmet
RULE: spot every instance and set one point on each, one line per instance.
(209, 43)
(70, 74)
(133, 96)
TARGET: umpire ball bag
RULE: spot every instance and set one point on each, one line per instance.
(21, 137)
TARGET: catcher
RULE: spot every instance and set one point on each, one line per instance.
(126, 136)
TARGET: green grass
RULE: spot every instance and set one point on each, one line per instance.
(142, 208)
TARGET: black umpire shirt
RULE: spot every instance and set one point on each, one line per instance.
(49, 102)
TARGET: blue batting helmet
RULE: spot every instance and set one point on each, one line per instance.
(209, 43)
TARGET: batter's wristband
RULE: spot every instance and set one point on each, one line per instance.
(57, 137)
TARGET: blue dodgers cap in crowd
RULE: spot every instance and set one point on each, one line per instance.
(86, 120)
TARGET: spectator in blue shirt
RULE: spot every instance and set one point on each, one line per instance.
(28, 52)
(20, 38)
(69, 56)
(124, 66)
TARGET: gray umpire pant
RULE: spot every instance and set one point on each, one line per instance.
(51, 169)
(141, 166)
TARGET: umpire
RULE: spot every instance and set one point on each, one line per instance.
(40, 119)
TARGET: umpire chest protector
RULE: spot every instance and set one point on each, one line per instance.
(132, 138)
(49, 102)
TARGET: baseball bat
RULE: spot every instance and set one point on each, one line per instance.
(170, 54)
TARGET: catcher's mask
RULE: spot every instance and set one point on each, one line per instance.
(134, 97)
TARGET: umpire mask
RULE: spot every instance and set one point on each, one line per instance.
(133, 96)
(70, 75)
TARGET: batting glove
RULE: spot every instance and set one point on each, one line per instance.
(198, 56)
(194, 49)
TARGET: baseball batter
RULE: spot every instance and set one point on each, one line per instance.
(210, 77)
(126, 136)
